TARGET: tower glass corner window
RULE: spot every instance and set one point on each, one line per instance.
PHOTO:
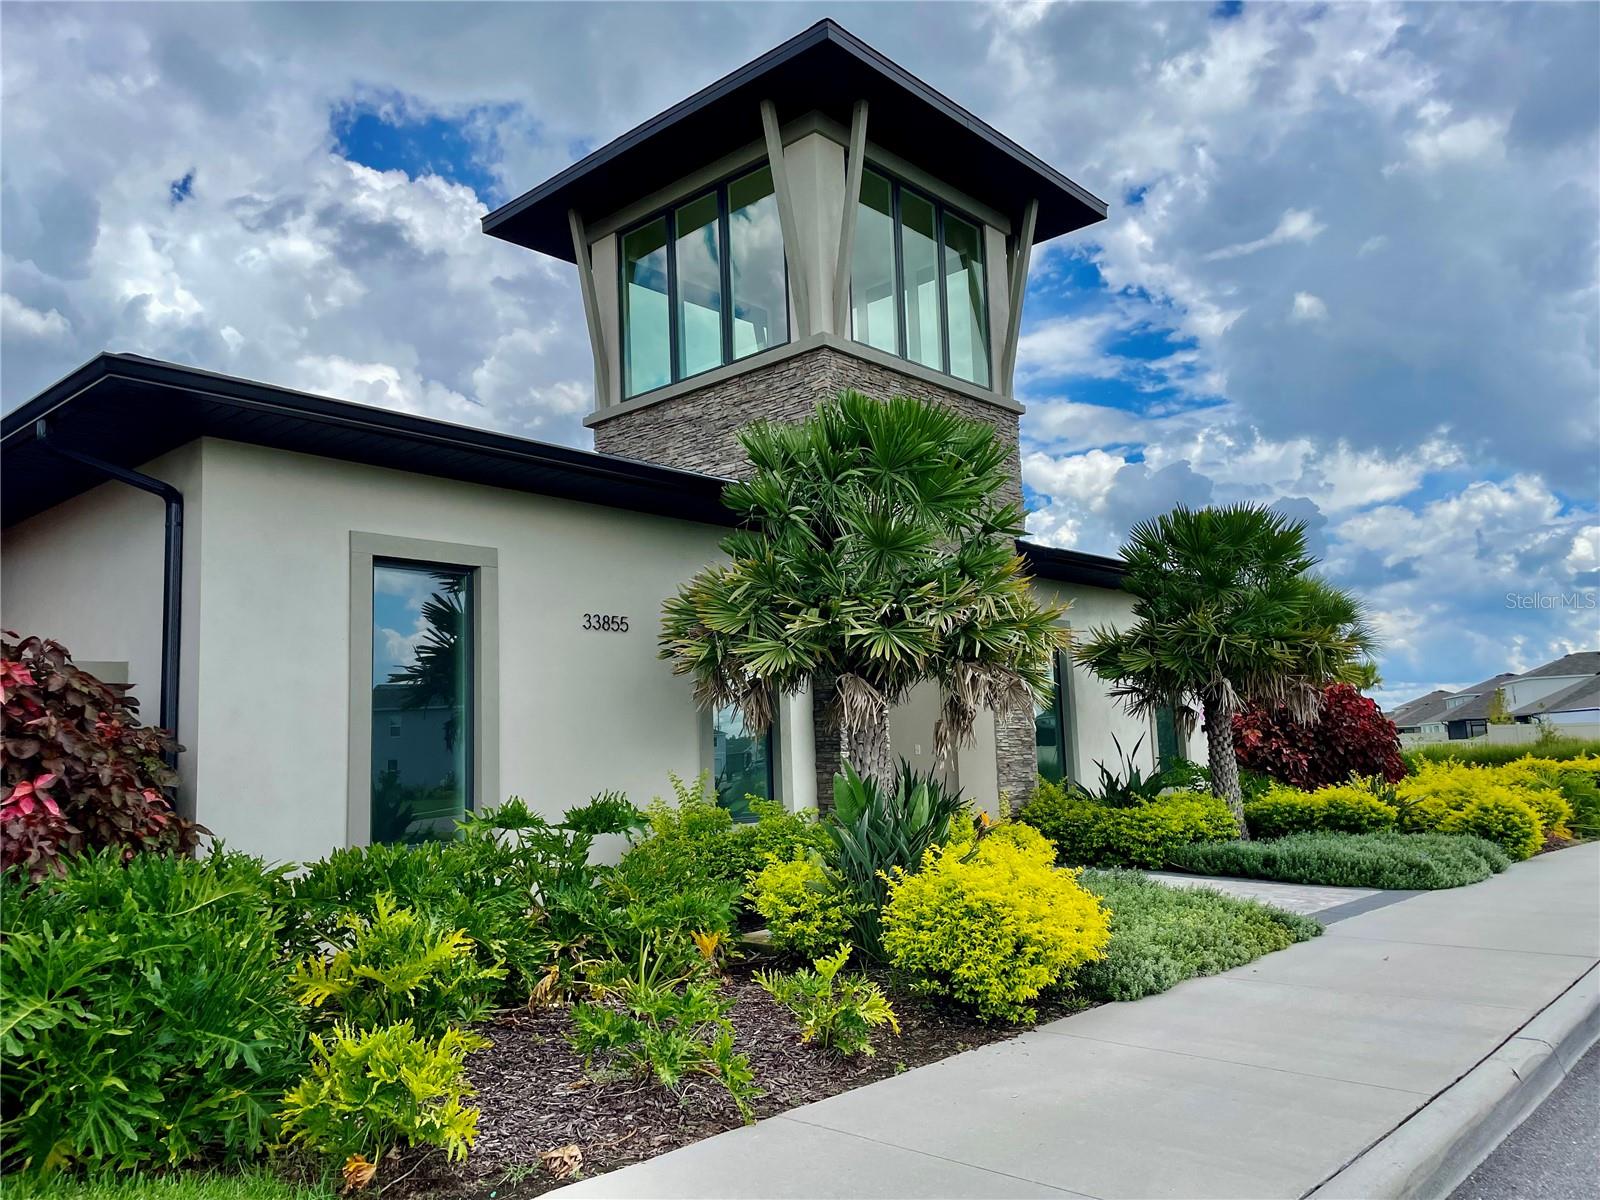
(423, 734)
(741, 763)
(703, 284)
(917, 281)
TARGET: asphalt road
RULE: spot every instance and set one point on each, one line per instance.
(1555, 1153)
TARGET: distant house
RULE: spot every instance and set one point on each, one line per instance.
(1537, 695)
(1423, 718)
(1577, 705)
(1466, 714)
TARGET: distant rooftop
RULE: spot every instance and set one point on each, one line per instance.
(1421, 710)
(1583, 695)
(824, 69)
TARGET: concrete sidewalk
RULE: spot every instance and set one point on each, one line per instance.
(1264, 1081)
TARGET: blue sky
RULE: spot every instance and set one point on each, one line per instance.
(1350, 266)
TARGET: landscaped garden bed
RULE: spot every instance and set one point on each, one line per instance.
(536, 1097)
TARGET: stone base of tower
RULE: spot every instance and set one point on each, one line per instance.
(698, 430)
(1015, 755)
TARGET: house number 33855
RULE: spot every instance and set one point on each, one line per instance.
(605, 622)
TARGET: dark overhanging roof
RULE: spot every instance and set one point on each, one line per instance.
(127, 410)
(1073, 566)
(826, 68)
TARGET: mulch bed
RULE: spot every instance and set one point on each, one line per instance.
(535, 1095)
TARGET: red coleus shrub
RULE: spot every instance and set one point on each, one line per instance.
(80, 771)
(1349, 736)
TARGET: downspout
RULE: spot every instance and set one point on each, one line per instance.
(172, 567)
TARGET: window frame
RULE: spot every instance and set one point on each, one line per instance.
(1062, 700)
(368, 550)
(668, 213)
(708, 755)
(940, 208)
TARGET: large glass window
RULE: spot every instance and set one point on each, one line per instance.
(703, 284)
(646, 327)
(755, 264)
(1052, 730)
(422, 711)
(965, 300)
(917, 281)
(872, 290)
(741, 763)
(699, 253)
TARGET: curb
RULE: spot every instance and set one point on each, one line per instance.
(1428, 1155)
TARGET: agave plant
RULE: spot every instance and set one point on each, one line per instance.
(875, 828)
(1129, 787)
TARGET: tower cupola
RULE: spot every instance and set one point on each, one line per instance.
(818, 219)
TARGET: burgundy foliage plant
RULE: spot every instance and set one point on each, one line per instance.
(1349, 736)
(80, 771)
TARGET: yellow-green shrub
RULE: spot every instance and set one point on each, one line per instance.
(805, 909)
(1505, 820)
(1087, 833)
(1346, 808)
(1451, 797)
(994, 925)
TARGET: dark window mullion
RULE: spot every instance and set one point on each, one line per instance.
(724, 243)
(675, 357)
(898, 300)
(944, 307)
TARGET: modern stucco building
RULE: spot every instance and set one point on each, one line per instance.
(361, 621)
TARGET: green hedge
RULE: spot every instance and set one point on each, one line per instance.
(1090, 834)
(1348, 808)
(1419, 861)
(1162, 935)
(1486, 754)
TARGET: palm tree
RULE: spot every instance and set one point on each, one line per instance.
(875, 553)
(1226, 612)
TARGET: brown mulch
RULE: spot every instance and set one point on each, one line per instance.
(535, 1096)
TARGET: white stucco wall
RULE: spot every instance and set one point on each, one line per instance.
(1096, 717)
(89, 574)
(578, 712)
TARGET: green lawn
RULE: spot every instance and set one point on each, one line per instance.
(247, 1185)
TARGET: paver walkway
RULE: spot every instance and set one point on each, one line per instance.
(1262, 1081)
(1294, 897)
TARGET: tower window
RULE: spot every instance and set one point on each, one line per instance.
(917, 281)
(703, 284)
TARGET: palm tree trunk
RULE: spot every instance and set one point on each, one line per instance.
(1224, 766)
(872, 757)
(826, 738)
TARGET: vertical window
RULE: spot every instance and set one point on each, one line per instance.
(1169, 741)
(646, 334)
(741, 763)
(703, 284)
(965, 300)
(422, 682)
(699, 254)
(1051, 729)
(917, 282)
(755, 259)
(872, 288)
